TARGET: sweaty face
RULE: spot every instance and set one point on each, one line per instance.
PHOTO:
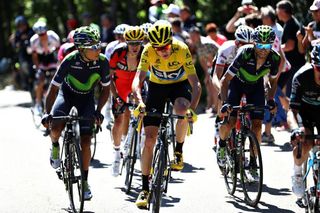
(92, 54)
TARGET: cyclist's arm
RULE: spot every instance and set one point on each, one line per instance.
(104, 95)
(35, 60)
(136, 85)
(225, 85)
(196, 90)
(272, 90)
(295, 101)
(51, 97)
(113, 88)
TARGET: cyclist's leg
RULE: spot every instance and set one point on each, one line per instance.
(156, 100)
(60, 107)
(40, 78)
(307, 116)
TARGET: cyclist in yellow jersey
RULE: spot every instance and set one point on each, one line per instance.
(173, 76)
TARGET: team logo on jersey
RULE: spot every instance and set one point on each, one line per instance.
(121, 66)
(173, 63)
(169, 76)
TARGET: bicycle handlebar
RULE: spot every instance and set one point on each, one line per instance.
(303, 139)
(244, 109)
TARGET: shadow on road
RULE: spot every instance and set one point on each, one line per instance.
(241, 205)
(188, 168)
(274, 191)
(286, 147)
(98, 165)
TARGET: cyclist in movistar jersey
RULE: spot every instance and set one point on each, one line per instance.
(173, 76)
(245, 76)
(73, 85)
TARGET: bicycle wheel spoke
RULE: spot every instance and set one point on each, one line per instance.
(251, 170)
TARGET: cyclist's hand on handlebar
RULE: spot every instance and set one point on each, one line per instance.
(192, 116)
(295, 136)
(98, 117)
(139, 110)
(225, 109)
(45, 120)
(119, 101)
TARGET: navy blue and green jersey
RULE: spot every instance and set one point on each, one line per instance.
(79, 76)
(244, 65)
(305, 91)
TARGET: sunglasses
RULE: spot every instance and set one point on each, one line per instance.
(263, 46)
(94, 47)
(134, 43)
(164, 48)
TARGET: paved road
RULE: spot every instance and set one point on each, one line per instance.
(29, 184)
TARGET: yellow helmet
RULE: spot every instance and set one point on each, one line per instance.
(160, 34)
(134, 34)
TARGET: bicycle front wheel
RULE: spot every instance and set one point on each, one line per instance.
(75, 181)
(157, 179)
(130, 161)
(251, 171)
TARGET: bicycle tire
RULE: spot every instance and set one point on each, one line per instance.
(230, 171)
(251, 184)
(130, 161)
(157, 179)
(75, 179)
(93, 145)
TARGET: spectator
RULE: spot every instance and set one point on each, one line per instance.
(212, 32)
(253, 20)
(247, 7)
(289, 43)
(107, 28)
(21, 42)
(72, 24)
(206, 49)
(187, 18)
(87, 21)
(172, 11)
(156, 10)
(291, 50)
(177, 30)
(269, 17)
(312, 35)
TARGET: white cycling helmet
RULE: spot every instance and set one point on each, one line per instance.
(120, 29)
(244, 34)
(40, 27)
(145, 27)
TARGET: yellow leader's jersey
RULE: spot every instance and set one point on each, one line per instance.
(175, 69)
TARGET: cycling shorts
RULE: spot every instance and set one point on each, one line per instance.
(158, 94)
(85, 106)
(254, 95)
(310, 116)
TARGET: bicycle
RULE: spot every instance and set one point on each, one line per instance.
(70, 170)
(48, 75)
(310, 200)
(242, 145)
(131, 150)
(161, 165)
(93, 144)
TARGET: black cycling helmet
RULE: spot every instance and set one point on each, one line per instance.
(315, 55)
(20, 20)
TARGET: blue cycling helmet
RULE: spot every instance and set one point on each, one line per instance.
(315, 55)
(20, 20)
